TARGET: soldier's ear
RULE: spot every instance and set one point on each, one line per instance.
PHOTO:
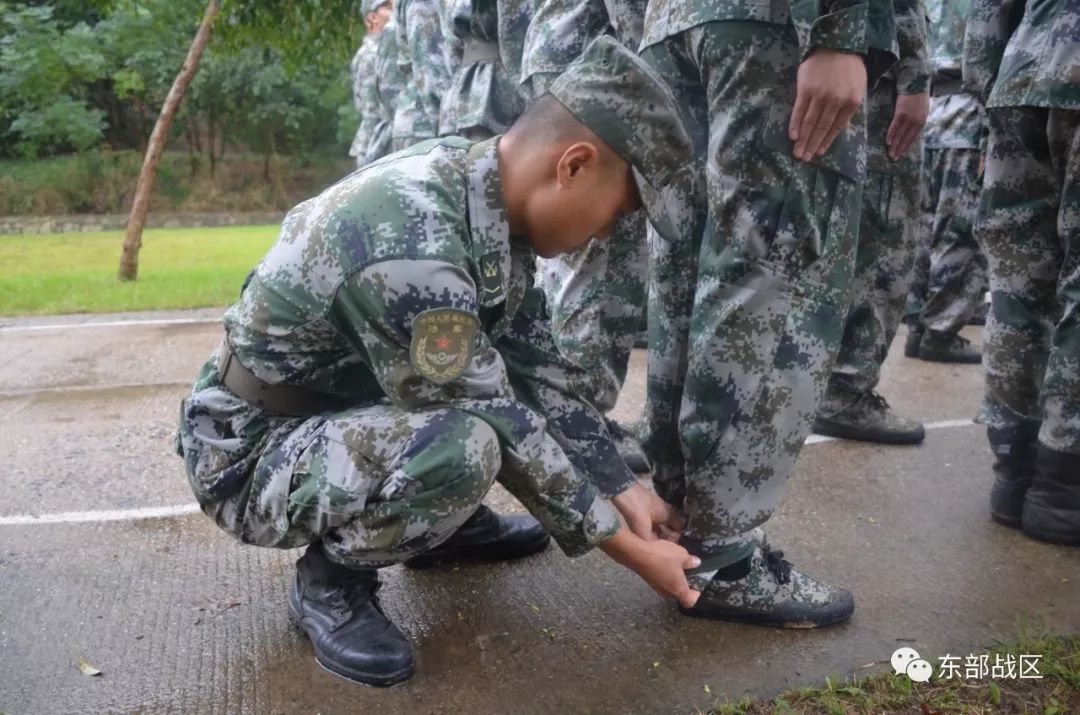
(574, 159)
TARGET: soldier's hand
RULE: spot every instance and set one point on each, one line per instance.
(830, 87)
(909, 118)
(661, 564)
(647, 515)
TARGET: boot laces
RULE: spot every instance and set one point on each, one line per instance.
(878, 402)
(779, 567)
(349, 597)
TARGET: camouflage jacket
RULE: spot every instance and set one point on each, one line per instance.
(912, 71)
(562, 29)
(1021, 53)
(425, 65)
(365, 95)
(482, 93)
(957, 119)
(412, 247)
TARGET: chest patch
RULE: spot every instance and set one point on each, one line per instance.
(443, 341)
(491, 278)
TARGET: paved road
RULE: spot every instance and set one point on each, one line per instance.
(181, 619)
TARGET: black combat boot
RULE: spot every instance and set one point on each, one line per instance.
(1014, 468)
(486, 536)
(943, 347)
(914, 340)
(1052, 504)
(338, 610)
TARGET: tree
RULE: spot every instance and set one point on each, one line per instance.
(129, 257)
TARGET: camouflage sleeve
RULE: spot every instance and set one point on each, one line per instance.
(427, 55)
(387, 310)
(913, 70)
(989, 26)
(545, 381)
(838, 25)
(367, 103)
(558, 33)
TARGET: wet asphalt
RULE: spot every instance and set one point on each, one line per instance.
(179, 618)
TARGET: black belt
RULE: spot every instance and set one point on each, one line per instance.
(283, 400)
(945, 87)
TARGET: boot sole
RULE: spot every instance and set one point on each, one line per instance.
(764, 620)
(1052, 537)
(1013, 522)
(866, 436)
(947, 359)
(478, 554)
(357, 677)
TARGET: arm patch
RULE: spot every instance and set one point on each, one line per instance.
(443, 341)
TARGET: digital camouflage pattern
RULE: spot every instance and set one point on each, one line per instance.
(746, 307)
(888, 227)
(1026, 59)
(1024, 53)
(424, 60)
(597, 294)
(1029, 227)
(949, 277)
(388, 84)
(335, 306)
(365, 97)
(483, 97)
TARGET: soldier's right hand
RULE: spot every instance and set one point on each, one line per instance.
(830, 87)
(661, 564)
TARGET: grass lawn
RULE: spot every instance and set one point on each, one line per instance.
(1056, 693)
(178, 268)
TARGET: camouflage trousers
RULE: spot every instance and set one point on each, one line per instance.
(596, 297)
(950, 271)
(749, 303)
(1029, 226)
(883, 262)
(376, 484)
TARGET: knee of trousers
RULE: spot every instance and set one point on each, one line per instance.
(454, 454)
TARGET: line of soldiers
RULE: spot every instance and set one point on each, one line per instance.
(462, 310)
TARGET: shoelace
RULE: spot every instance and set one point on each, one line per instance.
(348, 598)
(878, 401)
(774, 561)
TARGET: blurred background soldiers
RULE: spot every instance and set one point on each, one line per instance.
(425, 64)
(484, 98)
(896, 110)
(372, 137)
(950, 271)
(1023, 58)
(596, 295)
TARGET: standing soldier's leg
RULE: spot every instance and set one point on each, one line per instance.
(929, 191)
(1029, 227)
(956, 276)
(772, 290)
(852, 409)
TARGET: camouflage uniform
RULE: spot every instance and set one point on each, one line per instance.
(388, 84)
(358, 278)
(748, 314)
(1024, 59)
(597, 294)
(365, 97)
(484, 98)
(950, 271)
(425, 62)
(888, 227)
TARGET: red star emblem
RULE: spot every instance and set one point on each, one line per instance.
(442, 343)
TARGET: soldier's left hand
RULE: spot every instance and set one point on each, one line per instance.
(909, 118)
(647, 515)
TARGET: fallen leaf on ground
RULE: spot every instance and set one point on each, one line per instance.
(87, 669)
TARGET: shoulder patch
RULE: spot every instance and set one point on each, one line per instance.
(443, 343)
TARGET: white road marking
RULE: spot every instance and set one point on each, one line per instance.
(160, 512)
(107, 324)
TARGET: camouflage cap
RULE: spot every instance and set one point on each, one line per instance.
(622, 100)
(370, 6)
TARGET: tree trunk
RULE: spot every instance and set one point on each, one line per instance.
(129, 257)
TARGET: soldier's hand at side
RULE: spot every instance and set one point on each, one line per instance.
(647, 515)
(830, 87)
(909, 118)
(661, 564)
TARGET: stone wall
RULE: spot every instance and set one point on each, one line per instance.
(118, 222)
